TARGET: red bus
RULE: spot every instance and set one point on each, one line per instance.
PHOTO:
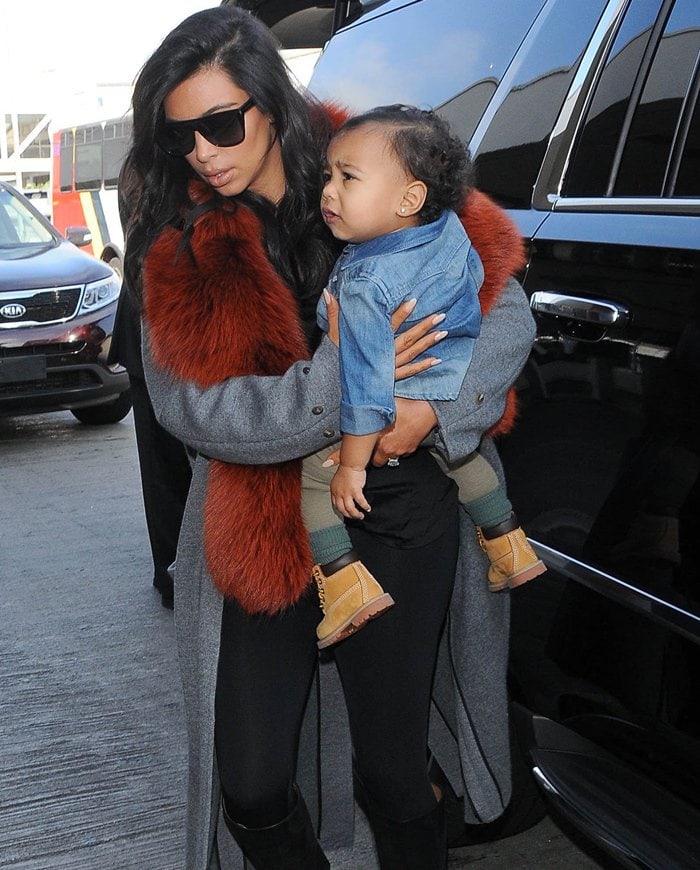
(85, 165)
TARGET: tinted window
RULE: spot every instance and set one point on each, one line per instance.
(641, 113)
(508, 158)
(648, 148)
(688, 181)
(424, 54)
(116, 143)
(88, 157)
(66, 160)
(593, 159)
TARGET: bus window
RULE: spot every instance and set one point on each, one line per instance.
(115, 146)
(88, 157)
(66, 161)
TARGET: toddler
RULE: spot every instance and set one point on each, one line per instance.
(394, 183)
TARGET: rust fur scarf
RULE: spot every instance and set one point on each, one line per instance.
(198, 309)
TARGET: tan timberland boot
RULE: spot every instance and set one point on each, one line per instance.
(513, 561)
(350, 596)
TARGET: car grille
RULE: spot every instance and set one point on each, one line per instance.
(58, 348)
(54, 381)
(41, 306)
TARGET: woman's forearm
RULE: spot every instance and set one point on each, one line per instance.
(252, 419)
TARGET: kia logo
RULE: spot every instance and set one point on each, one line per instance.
(14, 309)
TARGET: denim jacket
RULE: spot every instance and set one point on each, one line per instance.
(435, 264)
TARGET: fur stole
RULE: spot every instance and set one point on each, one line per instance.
(221, 310)
(217, 311)
(498, 242)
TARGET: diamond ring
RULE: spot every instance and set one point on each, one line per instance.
(393, 462)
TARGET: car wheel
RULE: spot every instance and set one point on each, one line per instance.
(110, 412)
(116, 264)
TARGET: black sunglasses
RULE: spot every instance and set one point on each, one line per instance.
(224, 129)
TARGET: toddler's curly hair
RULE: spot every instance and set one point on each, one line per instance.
(428, 151)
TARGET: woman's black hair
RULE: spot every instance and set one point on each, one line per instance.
(154, 185)
(428, 151)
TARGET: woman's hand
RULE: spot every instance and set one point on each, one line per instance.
(408, 345)
(333, 315)
(414, 341)
(415, 419)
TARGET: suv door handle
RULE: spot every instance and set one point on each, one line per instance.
(598, 311)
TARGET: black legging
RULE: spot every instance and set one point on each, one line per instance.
(267, 664)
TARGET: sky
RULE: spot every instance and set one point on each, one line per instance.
(52, 54)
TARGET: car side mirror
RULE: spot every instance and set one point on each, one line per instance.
(79, 236)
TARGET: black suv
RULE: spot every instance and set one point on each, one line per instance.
(584, 122)
(57, 307)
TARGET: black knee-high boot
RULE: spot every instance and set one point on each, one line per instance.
(416, 844)
(289, 845)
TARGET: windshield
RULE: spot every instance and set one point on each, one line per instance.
(19, 226)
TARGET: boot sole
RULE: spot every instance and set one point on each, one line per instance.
(528, 574)
(357, 620)
(521, 577)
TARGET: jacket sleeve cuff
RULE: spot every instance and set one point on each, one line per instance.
(364, 419)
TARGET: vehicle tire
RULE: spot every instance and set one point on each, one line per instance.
(116, 265)
(109, 412)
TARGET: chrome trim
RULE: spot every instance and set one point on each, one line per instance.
(597, 311)
(543, 781)
(627, 204)
(670, 615)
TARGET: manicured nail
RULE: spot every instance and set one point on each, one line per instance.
(326, 295)
(327, 464)
(410, 305)
(440, 335)
(436, 361)
(438, 318)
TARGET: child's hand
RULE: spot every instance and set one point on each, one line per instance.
(346, 492)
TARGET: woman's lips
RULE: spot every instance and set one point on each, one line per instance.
(219, 179)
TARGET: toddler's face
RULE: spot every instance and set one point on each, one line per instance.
(364, 186)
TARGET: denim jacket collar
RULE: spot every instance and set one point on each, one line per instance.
(401, 240)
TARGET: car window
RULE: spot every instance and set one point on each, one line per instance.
(593, 158)
(18, 225)
(640, 121)
(390, 60)
(687, 182)
(648, 147)
(509, 156)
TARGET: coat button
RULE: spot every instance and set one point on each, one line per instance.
(317, 409)
(480, 399)
(328, 433)
(306, 369)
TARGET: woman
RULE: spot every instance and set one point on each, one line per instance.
(227, 241)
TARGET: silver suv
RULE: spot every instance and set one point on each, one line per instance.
(57, 307)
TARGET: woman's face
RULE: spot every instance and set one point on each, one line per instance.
(255, 164)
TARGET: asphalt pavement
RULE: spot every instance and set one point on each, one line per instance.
(92, 747)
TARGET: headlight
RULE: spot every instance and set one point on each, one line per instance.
(99, 293)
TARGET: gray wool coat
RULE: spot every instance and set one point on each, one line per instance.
(270, 419)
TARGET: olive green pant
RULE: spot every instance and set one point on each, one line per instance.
(480, 492)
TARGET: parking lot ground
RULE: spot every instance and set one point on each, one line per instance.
(92, 767)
